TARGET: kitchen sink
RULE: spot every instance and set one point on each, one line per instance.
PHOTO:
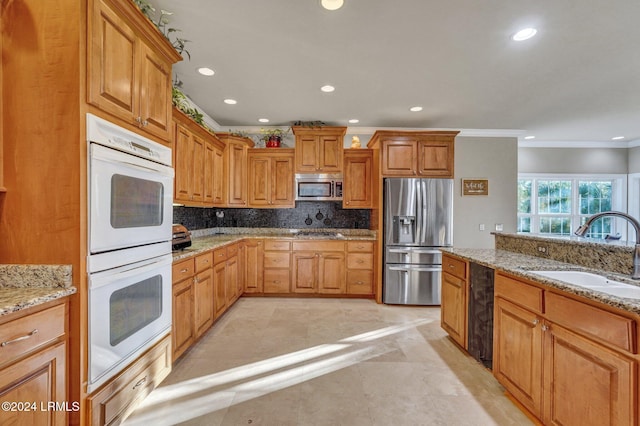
(593, 282)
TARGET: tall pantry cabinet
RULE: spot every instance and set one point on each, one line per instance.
(49, 83)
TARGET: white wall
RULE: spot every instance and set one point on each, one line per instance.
(495, 159)
(573, 160)
(634, 160)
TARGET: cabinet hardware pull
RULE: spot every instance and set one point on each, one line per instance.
(138, 120)
(18, 339)
(544, 327)
(360, 282)
(182, 271)
(360, 261)
(451, 266)
(276, 281)
(535, 321)
(145, 123)
(140, 382)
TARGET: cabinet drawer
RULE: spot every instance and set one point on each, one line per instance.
(219, 255)
(454, 266)
(318, 245)
(521, 293)
(277, 259)
(602, 325)
(277, 245)
(232, 250)
(120, 396)
(181, 270)
(359, 282)
(27, 333)
(276, 281)
(360, 246)
(204, 261)
(359, 261)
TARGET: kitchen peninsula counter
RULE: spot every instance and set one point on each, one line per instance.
(26, 286)
(521, 265)
(202, 241)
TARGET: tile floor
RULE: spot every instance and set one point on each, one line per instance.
(272, 361)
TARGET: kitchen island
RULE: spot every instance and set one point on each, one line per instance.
(568, 353)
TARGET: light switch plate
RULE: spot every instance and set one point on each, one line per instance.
(499, 227)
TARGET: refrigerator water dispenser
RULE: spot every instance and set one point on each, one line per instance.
(404, 228)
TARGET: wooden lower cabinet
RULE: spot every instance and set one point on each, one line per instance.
(318, 267)
(573, 373)
(360, 265)
(120, 396)
(203, 312)
(220, 288)
(182, 328)
(253, 259)
(277, 266)
(453, 308)
(33, 367)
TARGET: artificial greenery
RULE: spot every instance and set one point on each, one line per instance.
(181, 102)
(162, 23)
(271, 133)
(314, 123)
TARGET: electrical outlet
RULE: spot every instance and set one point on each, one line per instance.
(543, 250)
(481, 226)
(499, 227)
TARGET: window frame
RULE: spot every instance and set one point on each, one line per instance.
(618, 200)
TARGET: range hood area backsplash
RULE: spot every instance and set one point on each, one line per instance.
(202, 218)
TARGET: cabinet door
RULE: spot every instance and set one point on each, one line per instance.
(453, 310)
(517, 353)
(330, 154)
(197, 168)
(587, 383)
(112, 67)
(307, 154)
(203, 302)
(219, 180)
(331, 273)
(38, 380)
(183, 163)
(305, 272)
(435, 158)
(219, 288)
(253, 267)
(358, 179)
(208, 185)
(259, 181)
(182, 331)
(399, 157)
(155, 93)
(237, 175)
(282, 182)
(232, 280)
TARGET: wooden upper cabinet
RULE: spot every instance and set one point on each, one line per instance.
(358, 179)
(235, 168)
(129, 67)
(319, 149)
(415, 154)
(199, 168)
(271, 178)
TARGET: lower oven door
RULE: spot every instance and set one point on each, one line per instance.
(130, 200)
(129, 311)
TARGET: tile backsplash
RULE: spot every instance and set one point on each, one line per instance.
(200, 218)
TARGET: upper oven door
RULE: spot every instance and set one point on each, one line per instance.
(130, 200)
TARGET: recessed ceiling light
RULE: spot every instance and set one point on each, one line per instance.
(230, 101)
(617, 138)
(206, 71)
(327, 88)
(263, 120)
(332, 4)
(415, 109)
(354, 121)
(524, 34)
(529, 137)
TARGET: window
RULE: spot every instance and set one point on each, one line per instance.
(557, 205)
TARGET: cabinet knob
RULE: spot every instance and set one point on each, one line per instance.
(544, 327)
(535, 321)
(347, 203)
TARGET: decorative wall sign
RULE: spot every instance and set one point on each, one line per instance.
(475, 187)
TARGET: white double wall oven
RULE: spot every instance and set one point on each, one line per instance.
(130, 196)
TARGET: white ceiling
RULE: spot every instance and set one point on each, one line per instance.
(577, 80)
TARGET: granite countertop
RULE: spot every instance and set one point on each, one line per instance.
(202, 243)
(25, 286)
(521, 265)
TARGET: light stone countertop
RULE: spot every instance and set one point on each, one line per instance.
(521, 265)
(25, 286)
(201, 244)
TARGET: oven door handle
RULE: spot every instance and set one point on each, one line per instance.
(99, 279)
(107, 155)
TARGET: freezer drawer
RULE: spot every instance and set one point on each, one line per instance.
(412, 284)
(414, 255)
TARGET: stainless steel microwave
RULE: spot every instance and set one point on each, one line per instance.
(319, 187)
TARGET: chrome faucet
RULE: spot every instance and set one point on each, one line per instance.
(581, 231)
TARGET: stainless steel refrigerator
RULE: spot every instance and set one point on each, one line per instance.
(418, 220)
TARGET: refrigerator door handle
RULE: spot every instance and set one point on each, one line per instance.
(423, 215)
(419, 211)
(412, 250)
(408, 268)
